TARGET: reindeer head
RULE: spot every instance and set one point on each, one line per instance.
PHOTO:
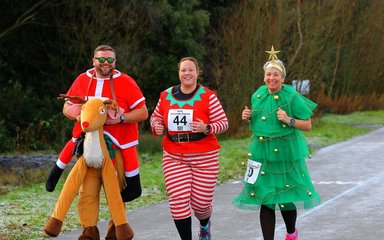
(94, 111)
(93, 115)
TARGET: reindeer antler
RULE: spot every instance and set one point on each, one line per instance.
(66, 97)
(109, 103)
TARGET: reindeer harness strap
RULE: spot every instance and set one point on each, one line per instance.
(110, 83)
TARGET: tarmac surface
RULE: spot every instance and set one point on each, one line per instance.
(349, 176)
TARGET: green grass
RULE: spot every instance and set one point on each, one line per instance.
(24, 210)
(331, 129)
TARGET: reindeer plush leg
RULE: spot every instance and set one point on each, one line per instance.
(68, 193)
(89, 194)
(88, 204)
(115, 203)
(119, 165)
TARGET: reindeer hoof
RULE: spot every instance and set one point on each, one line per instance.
(111, 232)
(90, 233)
(53, 227)
(124, 232)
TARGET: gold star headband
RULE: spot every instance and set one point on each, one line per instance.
(272, 54)
(274, 62)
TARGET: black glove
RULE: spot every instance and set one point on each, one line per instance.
(53, 178)
(79, 148)
(132, 190)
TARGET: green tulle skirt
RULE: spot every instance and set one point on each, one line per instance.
(283, 177)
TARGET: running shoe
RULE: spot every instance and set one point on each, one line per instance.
(293, 236)
(205, 232)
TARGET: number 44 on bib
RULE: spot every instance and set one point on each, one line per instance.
(179, 120)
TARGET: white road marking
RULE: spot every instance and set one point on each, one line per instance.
(362, 184)
(336, 183)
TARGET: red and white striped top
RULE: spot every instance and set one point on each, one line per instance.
(205, 106)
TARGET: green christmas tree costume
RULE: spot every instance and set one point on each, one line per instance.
(283, 176)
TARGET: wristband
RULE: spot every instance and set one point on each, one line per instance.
(207, 129)
(291, 122)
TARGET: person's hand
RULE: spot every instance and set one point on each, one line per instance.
(114, 115)
(198, 126)
(111, 121)
(246, 114)
(159, 129)
(282, 115)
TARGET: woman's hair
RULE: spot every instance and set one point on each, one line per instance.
(278, 64)
(190, 59)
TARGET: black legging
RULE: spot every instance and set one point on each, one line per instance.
(185, 229)
(268, 220)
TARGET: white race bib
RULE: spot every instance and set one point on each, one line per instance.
(179, 120)
(252, 172)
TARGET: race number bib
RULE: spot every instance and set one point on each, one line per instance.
(179, 120)
(252, 172)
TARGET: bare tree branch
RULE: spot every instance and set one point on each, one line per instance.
(339, 46)
(298, 5)
(26, 17)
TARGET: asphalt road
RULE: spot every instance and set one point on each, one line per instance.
(349, 176)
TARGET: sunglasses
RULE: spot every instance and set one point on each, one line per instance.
(103, 59)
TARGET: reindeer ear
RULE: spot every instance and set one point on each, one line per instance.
(112, 104)
(113, 114)
(74, 110)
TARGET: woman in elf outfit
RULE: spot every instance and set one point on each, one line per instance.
(190, 115)
(277, 175)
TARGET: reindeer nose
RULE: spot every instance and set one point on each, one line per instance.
(85, 124)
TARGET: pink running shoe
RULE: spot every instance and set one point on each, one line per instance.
(292, 236)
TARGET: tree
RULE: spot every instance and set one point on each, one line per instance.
(149, 36)
(26, 17)
(175, 31)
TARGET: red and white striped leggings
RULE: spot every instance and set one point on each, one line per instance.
(190, 180)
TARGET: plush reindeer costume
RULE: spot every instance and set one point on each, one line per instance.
(95, 160)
